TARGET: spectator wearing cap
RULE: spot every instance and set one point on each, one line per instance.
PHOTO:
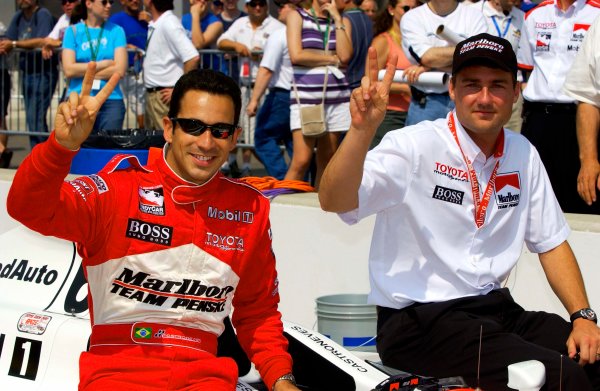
(247, 37)
(583, 84)
(169, 54)
(273, 119)
(552, 35)
(445, 240)
(361, 35)
(134, 22)
(422, 46)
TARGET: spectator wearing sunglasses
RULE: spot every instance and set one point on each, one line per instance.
(26, 31)
(169, 54)
(54, 39)
(388, 42)
(216, 7)
(247, 37)
(96, 39)
(158, 232)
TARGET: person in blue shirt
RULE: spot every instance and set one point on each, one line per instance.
(26, 31)
(203, 28)
(134, 22)
(96, 39)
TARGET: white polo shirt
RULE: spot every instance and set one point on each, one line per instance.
(420, 24)
(59, 28)
(549, 42)
(276, 58)
(254, 39)
(583, 80)
(503, 26)
(426, 246)
(167, 50)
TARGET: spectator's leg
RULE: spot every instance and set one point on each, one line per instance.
(111, 115)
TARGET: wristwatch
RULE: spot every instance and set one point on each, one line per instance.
(585, 313)
(287, 376)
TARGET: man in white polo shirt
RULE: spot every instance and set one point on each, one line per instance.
(552, 35)
(169, 54)
(455, 201)
(583, 84)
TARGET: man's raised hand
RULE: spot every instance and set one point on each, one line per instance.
(75, 117)
(368, 103)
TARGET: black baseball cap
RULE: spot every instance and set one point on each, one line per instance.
(485, 49)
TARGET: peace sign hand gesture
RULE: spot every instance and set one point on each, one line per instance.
(368, 102)
(75, 117)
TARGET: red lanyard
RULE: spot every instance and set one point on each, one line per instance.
(481, 203)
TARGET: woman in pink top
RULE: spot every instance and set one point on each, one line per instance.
(387, 41)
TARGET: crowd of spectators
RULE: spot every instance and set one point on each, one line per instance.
(314, 54)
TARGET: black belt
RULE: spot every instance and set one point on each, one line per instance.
(421, 97)
(279, 89)
(155, 89)
(548, 107)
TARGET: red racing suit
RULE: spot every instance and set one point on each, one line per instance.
(165, 259)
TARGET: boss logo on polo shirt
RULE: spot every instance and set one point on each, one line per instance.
(508, 190)
(448, 195)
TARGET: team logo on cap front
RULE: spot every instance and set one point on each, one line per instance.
(152, 200)
(508, 190)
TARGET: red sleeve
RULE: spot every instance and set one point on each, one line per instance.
(40, 199)
(255, 316)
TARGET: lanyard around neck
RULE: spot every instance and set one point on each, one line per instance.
(326, 34)
(481, 203)
(500, 33)
(94, 50)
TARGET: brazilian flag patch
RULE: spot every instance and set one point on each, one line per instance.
(143, 332)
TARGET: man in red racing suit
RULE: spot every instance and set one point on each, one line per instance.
(167, 249)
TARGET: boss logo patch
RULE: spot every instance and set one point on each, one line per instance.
(448, 195)
(149, 232)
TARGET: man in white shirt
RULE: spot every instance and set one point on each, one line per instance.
(583, 84)
(551, 37)
(422, 46)
(273, 119)
(169, 54)
(455, 200)
(247, 37)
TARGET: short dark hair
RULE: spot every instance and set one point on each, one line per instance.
(213, 82)
(163, 5)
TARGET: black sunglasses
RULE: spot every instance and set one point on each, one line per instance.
(69, 1)
(195, 127)
(406, 8)
(254, 4)
(104, 2)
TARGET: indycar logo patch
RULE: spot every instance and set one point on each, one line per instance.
(152, 200)
(542, 43)
(508, 190)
